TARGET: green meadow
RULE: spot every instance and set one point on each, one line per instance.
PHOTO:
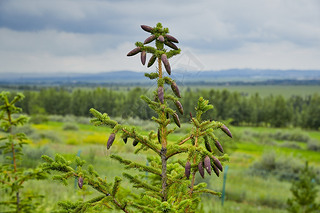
(249, 187)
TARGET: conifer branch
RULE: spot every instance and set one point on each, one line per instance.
(207, 191)
(143, 207)
(177, 179)
(144, 140)
(152, 75)
(184, 204)
(116, 186)
(140, 184)
(82, 207)
(138, 166)
(102, 119)
(123, 208)
(182, 141)
(90, 177)
(174, 150)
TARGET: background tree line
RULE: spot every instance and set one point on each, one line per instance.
(253, 110)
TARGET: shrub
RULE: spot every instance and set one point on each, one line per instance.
(56, 118)
(69, 119)
(291, 145)
(82, 120)
(280, 135)
(26, 129)
(91, 155)
(265, 200)
(70, 126)
(297, 135)
(268, 138)
(283, 168)
(313, 145)
(247, 136)
(39, 119)
(32, 155)
(46, 134)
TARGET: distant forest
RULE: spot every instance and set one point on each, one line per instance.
(242, 110)
(37, 85)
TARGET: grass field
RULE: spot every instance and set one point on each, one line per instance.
(244, 192)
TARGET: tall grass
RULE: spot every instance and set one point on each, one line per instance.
(245, 192)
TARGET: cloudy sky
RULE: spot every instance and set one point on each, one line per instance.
(95, 35)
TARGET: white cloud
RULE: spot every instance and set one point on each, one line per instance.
(264, 56)
(80, 36)
(52, 51)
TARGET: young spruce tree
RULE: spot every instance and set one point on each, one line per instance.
(304, 193)
(13, 177)
(170, 185)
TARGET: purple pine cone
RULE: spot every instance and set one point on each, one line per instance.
(165, 61)
(176, 119)
(171, 38)
(110, 140)
(218, 145)
(226, 130)
(143, 57)
(134, 51)
(215, 169)
(175, 89)
(149, 39)
(201, 169)
(147, 28)
(170, 44)
(161, 38)
(179, 106)
(152, 60)
(187, 169)
(207, 164)
(217, 163)
(80, 182)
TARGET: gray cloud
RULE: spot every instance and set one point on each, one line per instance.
(70, 16)
(62, 35)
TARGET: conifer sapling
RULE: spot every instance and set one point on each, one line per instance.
(167, 187)
(13, 176)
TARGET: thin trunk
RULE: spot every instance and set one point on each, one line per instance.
(14, 159)
(192, 183)
(194, 173)
(163, 152)
(194, 162)
(164, 174)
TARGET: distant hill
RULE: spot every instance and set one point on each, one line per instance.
(130, 77)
